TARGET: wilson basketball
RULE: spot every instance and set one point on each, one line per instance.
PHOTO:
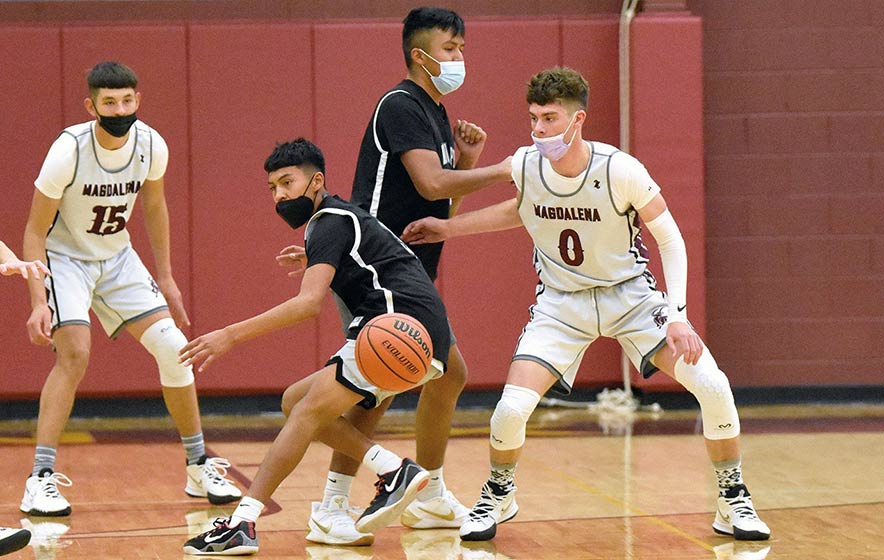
(393, 351)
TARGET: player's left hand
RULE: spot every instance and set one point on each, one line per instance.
(682, 340)
(293, 256)
(469, 139)
(203, 350)
(425, 230)
(176, 302)
(28, 269)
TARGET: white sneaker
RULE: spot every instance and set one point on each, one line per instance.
(489, 511)
(334, 525)
(207, 479)
(741, 551)
(13, 539)
(441, 512)
(42, 496)
(736, 516)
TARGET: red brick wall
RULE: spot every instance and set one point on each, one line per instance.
(794, 130)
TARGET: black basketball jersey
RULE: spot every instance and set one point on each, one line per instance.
(375, 273)
(405, 118)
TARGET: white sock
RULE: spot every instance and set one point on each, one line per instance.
(381, 461)
(337, 484)
(248, 510)
(435, 487)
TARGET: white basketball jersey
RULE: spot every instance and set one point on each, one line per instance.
(580, 238)
(95, 207)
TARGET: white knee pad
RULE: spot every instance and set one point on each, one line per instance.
(510, 417)
(163, 340)
(713, 391)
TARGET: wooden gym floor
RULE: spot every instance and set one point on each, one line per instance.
(591, 486)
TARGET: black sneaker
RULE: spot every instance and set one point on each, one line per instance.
(225, 540)
(13, 539)
(395, 490)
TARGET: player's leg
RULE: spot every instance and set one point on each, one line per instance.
(72, 345)
(316, 408)
(736, 514)
(436, 507)
(526, 382)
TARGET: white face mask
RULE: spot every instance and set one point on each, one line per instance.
(554, 148)
(451, 74)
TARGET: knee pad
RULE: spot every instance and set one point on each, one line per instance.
(713, 391)
(163, 340)
(510, 417)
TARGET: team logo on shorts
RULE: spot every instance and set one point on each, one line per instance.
(153, 286)
(660, 316)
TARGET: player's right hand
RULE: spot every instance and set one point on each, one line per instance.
(425, 230)
(203, 350)
(293, 256)
(40, 325)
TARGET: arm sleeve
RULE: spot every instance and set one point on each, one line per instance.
(159, 159)
(329, 240)
(674, 258)
(631, 184)
(59, 167)
(402, 125)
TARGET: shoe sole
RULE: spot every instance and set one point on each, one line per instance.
(37, 513)
(319, 537)
(16, 541)
(235, 551)
(738, 533)
(384, 517)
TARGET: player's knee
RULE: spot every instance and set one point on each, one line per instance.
(712, 390)
(163, 340)
(456, 374)
(511, 416)
(73, 361)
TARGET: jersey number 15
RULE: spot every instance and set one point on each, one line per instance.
(108, 220)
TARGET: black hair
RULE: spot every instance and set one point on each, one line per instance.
(299, 153)
(111, 75)
(426, 18)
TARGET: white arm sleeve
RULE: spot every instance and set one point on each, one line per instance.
(58, 167)
(674, 257)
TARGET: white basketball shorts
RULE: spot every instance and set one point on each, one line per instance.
(564, 324)
(119, 290)
(349, 376)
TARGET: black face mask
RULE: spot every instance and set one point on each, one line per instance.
(117, 126)
(296, 212)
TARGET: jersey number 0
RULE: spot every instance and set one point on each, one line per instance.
(570, 247)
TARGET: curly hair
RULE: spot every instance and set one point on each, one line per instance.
(559, 85)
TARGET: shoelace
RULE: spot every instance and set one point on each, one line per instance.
(49, 484)
(742, 506)
(216, 468)
(486, 503)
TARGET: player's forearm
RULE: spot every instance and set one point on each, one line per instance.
(6, 254)
(673, 256)
(34, 249)
(498, 217)
(156, 221)
(451, 183)
(284, 315)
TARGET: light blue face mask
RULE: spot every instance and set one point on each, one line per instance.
(451, 74)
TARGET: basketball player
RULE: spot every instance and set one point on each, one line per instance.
(15, 539)
(407, 170)
(580, 201)
(85, 194)
(372, 272)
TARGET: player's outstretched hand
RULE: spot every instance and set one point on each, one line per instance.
(203, 350)
(293, 256)
(176, 302)
(28, 269)
(40, 325)
(425, 230)
(682, 340)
